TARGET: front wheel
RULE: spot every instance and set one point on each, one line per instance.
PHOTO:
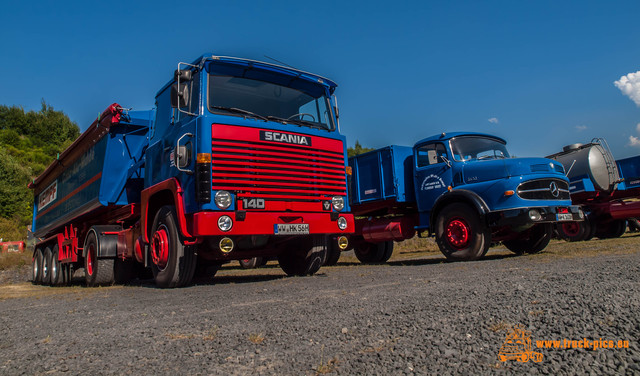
(305, 261)
(174, 264)
(460, 234)
(533, 240)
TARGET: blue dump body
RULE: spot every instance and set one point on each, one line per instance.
(103, 168)
(383, 174)
(629, 169)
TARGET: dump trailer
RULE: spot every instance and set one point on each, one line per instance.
(607, 190)
(461, 187)
(238, 159)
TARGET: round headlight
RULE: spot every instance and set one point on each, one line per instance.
(343, 243)
(342, 223)
(225, 223)
(223, 199)
(535, 215)
(226, 245)
(337, 202)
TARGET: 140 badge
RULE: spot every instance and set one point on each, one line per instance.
(253, 203)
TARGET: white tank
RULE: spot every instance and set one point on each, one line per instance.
(593, 160)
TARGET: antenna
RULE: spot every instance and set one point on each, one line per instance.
(279, 62)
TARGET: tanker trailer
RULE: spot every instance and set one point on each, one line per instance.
(597, 184)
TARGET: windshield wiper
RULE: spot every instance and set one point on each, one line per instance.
(236, 110)
(301, 123)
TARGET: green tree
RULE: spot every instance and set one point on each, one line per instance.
(29, 142)
(357, 150)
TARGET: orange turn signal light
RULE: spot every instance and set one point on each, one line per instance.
(348, 170)
(509, 193)
(203, 158)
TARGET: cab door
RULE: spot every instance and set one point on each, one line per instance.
(432, 173)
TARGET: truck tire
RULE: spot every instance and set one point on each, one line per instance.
(251, 263)
(370, 253)
(174, 264)
(333, 252)
(574, 231)
(305, 261)
(533, 241)
(388, 251)
(46, 266)
(37, 266)
(459, 233)
(613, 229)
(634, 224)
(97, 271)
(57, 275)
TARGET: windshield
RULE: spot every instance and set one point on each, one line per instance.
(474, 147)
(268, 101)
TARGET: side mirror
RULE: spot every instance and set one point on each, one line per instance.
(182, 75)
(179, 95)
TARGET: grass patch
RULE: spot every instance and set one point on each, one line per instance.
(11, 260)
(256, 338)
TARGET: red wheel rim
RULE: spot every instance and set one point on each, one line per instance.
(571, 228)
(160, 247)
(90, 259)
(457, 233)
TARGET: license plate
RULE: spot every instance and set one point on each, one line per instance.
(291, 229)
(564, 217)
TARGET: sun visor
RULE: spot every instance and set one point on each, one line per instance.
(312, 85)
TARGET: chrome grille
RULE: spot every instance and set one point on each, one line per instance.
(544, 189)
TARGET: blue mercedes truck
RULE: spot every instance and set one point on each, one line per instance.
(463, 188)
(238, 159)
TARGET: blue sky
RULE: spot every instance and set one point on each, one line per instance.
(539, 73)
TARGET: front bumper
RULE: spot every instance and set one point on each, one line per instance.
(263, 223)
(526, 216)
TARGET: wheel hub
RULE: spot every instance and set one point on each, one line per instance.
(571, 228)
(160, 247)
(90, 259)
(457, 232)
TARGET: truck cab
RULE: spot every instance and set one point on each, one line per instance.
(465, 189)
(252, 155)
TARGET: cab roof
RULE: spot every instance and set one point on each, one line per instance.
(239, 67)
(449, 135)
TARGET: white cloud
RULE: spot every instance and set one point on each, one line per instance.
(493, 120)
(581, 128)
(638, 128)
(634, 141)
(629, 85)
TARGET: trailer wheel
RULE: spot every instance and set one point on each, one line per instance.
(533, 241)
(388, 251)
(96, 271)
(333, 252)
(46, 266)
(459, 233)
(369, 253)
(613, 229)
(174, 264)
(37, 266)
(56, 268)
(305, 261)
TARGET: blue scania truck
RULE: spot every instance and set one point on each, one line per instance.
(465, 189)
(238, 159)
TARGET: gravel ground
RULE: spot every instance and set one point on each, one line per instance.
(423, 316)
